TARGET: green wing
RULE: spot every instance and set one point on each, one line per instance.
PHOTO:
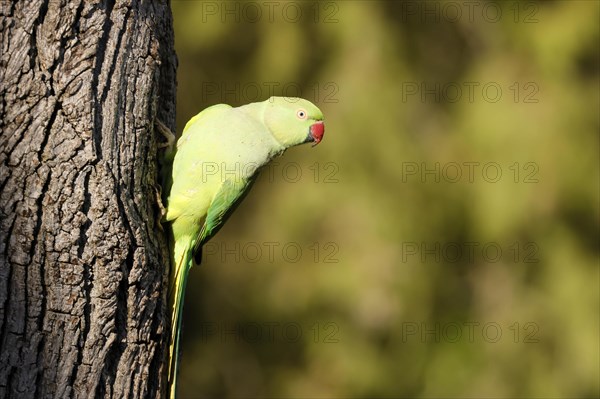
(232, 192)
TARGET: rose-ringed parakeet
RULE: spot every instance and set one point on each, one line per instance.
(218, 156)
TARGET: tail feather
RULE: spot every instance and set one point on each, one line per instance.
(182, 265)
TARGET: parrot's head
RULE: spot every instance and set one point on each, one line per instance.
(294, 121)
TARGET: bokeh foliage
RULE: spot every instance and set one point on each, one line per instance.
(383, 321)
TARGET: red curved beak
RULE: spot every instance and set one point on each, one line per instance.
(317, 130)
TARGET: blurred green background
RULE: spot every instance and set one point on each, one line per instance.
(442, 240)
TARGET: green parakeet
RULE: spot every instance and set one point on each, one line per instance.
(218, 156)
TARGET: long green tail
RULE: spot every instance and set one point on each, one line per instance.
(182, 264)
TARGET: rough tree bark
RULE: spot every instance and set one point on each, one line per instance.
(83, 261)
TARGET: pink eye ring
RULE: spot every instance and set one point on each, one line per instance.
(301, 114)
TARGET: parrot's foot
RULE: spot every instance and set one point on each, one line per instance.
(161, 207)
(167, 133)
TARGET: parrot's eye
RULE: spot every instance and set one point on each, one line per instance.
(301, 114)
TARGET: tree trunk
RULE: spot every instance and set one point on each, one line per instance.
(83, 260)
